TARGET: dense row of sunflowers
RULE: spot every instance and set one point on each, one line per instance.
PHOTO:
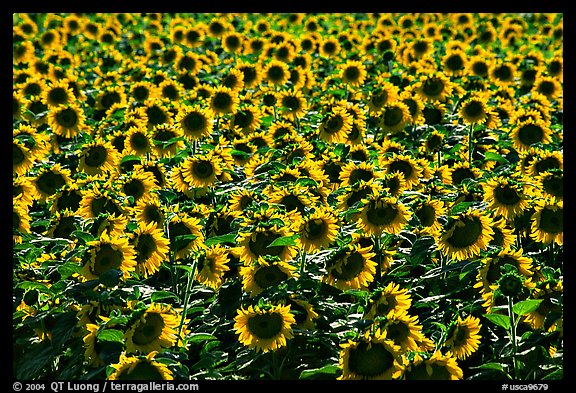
(287, 196)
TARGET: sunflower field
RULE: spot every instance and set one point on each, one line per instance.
(287, 196)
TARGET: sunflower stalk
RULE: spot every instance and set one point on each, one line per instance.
(513, 336)
(189, 282)
(470, 146)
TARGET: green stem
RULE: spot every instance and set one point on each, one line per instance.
(191, 274)
(377, 245)
(513, 336)
(302, 261)
(470, 144)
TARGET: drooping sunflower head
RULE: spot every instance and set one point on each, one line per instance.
(137, 367)
(264, 329)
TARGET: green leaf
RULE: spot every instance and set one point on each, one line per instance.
(491, 156)
(284, 241)
(159, 296)
(490, 366)
(228, 238)
(69, 268)
(526, 306)
(113, 335)
(499, 319)
(85, 236)
(460, 207)
(128, 158)
(420, 249)
(324, 371)
(182, 241)
(200, 337)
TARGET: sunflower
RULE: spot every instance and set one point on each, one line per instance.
(434, 367)
(276, 73)
(551, 183)
(233, 79)
(547, 221)
(201, 170)
(527, 133)
(383, 93)
(435, 87)
(142, 91)
(502, 72)
(474, 109)
(404, 330)
(20, 221)
(151, 248)
(465, 337)
(394, 116)
(353, 72)
(304, 315)
(246, 119)
(503, 234)
(167, 140)
(255, 243)
(138, 142)
(266, 272)
(96, 348)
(293, 105)
(383, 214)
(371, 357)
(403, 163)
(316, 230)
(149, 209)
(350, 267)
(551, 294)
(428, 211)
(391, 299)
(111, 96)
(547, 85)
(154, 330)
(58, 93)
(22, 191)
(63, 224)
(462, 171)
(212, 265)
(98, 158)
(465, 235)
(223, 100)
(185, 234)
(194, 121)
(109, 253)
(49, 180)
(505, 196)
(491, 270)
(264, 328)
(22, 158)
(545, 160)
(335, 125)
(96, 201)
(67, 120)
